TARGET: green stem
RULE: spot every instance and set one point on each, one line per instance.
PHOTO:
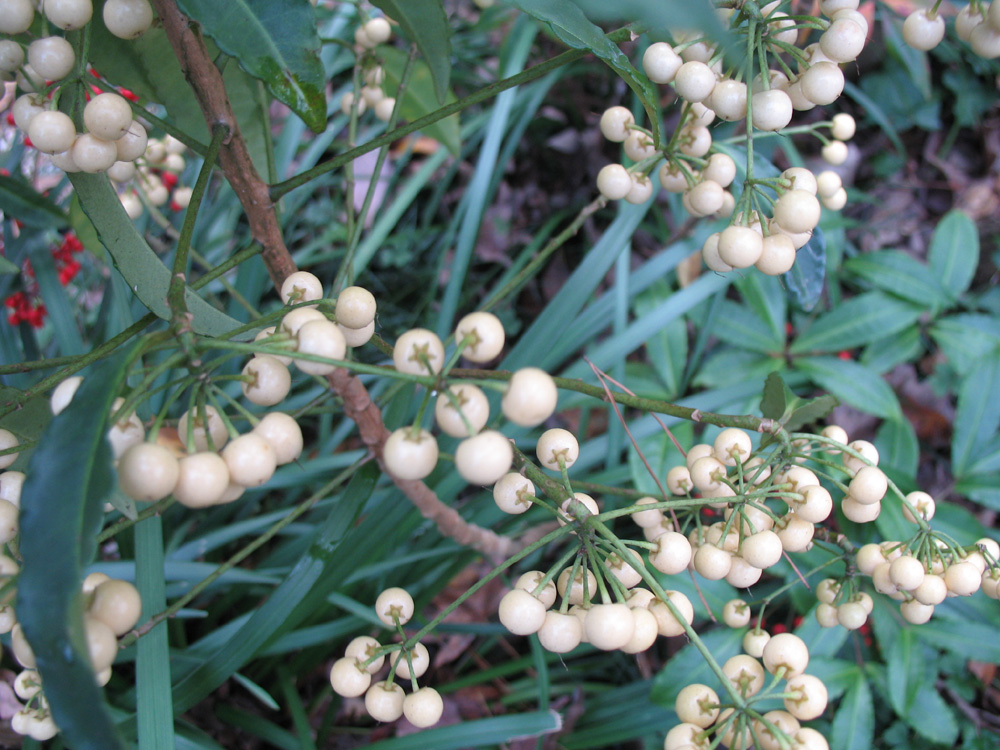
(488, 92)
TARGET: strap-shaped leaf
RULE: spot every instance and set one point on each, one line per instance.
(275, 41)
(19, 200)
(68, 479)
(140, 266)
(571, 26)
(425, 22)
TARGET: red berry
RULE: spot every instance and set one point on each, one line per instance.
(169, 180)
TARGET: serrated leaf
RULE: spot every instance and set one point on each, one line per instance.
(899, 274)
(19, 200)
(856, 322)
(977, 415)
(970, 640)
(68, 479)
(852, 383)
(419, 99)
(805, 280)
(932, 717)
(426, 24)
(772, 403)
(140, 266)
(811, 411)
(966, 339)
(854, 722)
(954, 252)
(273, 40)
(572, 27)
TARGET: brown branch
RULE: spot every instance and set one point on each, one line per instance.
(234, 160)
(360, 408)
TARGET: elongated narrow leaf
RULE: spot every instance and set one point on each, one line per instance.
(572, 27)
(689, 662)
(155, 712)
(966, 339)
(810, 411)
(859, 321)
(900, 274)
(140, 266)
(69, 477)
(426, 24)
(904, 670)
(6, 267)
(19, 200)
(482, 733)
(419, 98)
(852, 383)
(319, 566)
(662, 17)
(978, 414)
(273, 40)
(29, 417)
(954, 252)
(968, 639)
(854, 724)
(932, 717)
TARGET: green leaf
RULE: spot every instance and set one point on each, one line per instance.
(69, 477)
(32, 415)
(426, 24)
(805, 280)
(811, 411)
(900, 274)
(897, 446)
(140, 266)
(772, 403)
(852, 383)
(966, 339)
(740, 327)
(954, 252)
(320, 568)
(480, 733)
(419, 99)
(977, 415)
(147, 66)
(6, 267)
(858, 321)
(275, 41)
(932, 717)
(970, 640)
(837, 674)
(154, 707)
(904, 670)
(574, 29)
(19, 200)
(854, 723)
(661, 17)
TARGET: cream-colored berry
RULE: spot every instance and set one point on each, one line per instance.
(521, 613)
(484, 458)
(485, 335)
(557, 447)
(513, 493)
(385, 702)
(394, 605)
(356, 307)
(267, 380)
(661, 63)
(530, 398)
(418, 352)
(423, 708)
(616, 123)
(410, 454)
(147, 472)
(348, 678)
(301, 286)
(464, 413)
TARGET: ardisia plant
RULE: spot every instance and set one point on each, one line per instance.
(215, 389)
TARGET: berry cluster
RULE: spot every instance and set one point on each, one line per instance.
(26, 306)
(703, 714)
(772, 217)
(112, 609)
(978, 24)
(367, 38)
(351, 676)
(111, 134)
(154, 178)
